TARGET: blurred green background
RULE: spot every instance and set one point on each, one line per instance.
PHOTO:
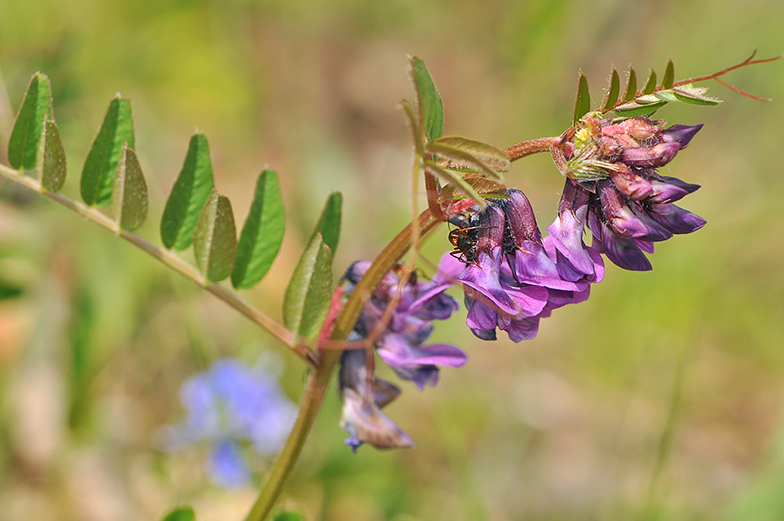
(659, 398)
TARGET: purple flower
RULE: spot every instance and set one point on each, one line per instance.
(611, 169)
(401, 344)
(228, 405)
(513, 277)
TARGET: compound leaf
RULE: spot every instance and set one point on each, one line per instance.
(262, 233)
(215, 238)
(28, 128)
(53, 169)
(187, 198)
(130, 191)
(431, 107)
(308, 295)
(101, 164)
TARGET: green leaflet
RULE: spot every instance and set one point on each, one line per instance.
(633, 109)
(308, 295)
(694, 95)
(28, 128)
(431, 107)
(651, 85)
(582, 104)
(468, 155)
(180, 514)
(328, 224)
(187, 198)
(631, 85)
(669, 76)
(613, 91)
(53, 169)
(262, 233)
(215, 238)
(130, 191)
(101, 164)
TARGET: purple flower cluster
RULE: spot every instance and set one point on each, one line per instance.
(633, 206)
(231, 405)
(399, 340)
(513, 277)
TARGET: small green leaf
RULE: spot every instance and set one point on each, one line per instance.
(582, 104)
(180, 514)
(663, 95)
(187, 198)
(632, 109)
(328, 224)
(29, 125)
(54, 167)
(614, 90)
(101, 163)
(308, 295)
(288, 516)
(694, 95)
(468, 155)
(651, 85)
(669, 76)
(431, 107)
(215, 238)
(262, 233)
(631, 85)
(130, 191)
(455, 178)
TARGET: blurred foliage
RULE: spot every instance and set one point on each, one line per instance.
(588, 421)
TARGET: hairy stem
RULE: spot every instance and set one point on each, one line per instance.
(527, 148)
(318, 381)
(169, 259)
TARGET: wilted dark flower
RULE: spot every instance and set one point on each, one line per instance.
(611, 169)
(229, 405)
(513, 278)
(400, 345)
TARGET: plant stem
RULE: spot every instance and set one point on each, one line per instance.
(532, 146)
(318, 381)
(169, 259)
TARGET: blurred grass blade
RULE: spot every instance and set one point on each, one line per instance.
(470, 155)
(308, 295)
(101, 164)
(28, 128)
(215, 238)
(651, 85)
(288, 516)
(187, 198)
(53, 168)
(328, 224)
(180, 514)
(130, 191)
(262, 233)
(669, 76)
(612, 93)
(631, 85)
(456, 179)
(582, 104)
(431, 107)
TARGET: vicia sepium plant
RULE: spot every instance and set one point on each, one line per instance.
(512, 275)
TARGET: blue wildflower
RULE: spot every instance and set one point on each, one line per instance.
(231, 405)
